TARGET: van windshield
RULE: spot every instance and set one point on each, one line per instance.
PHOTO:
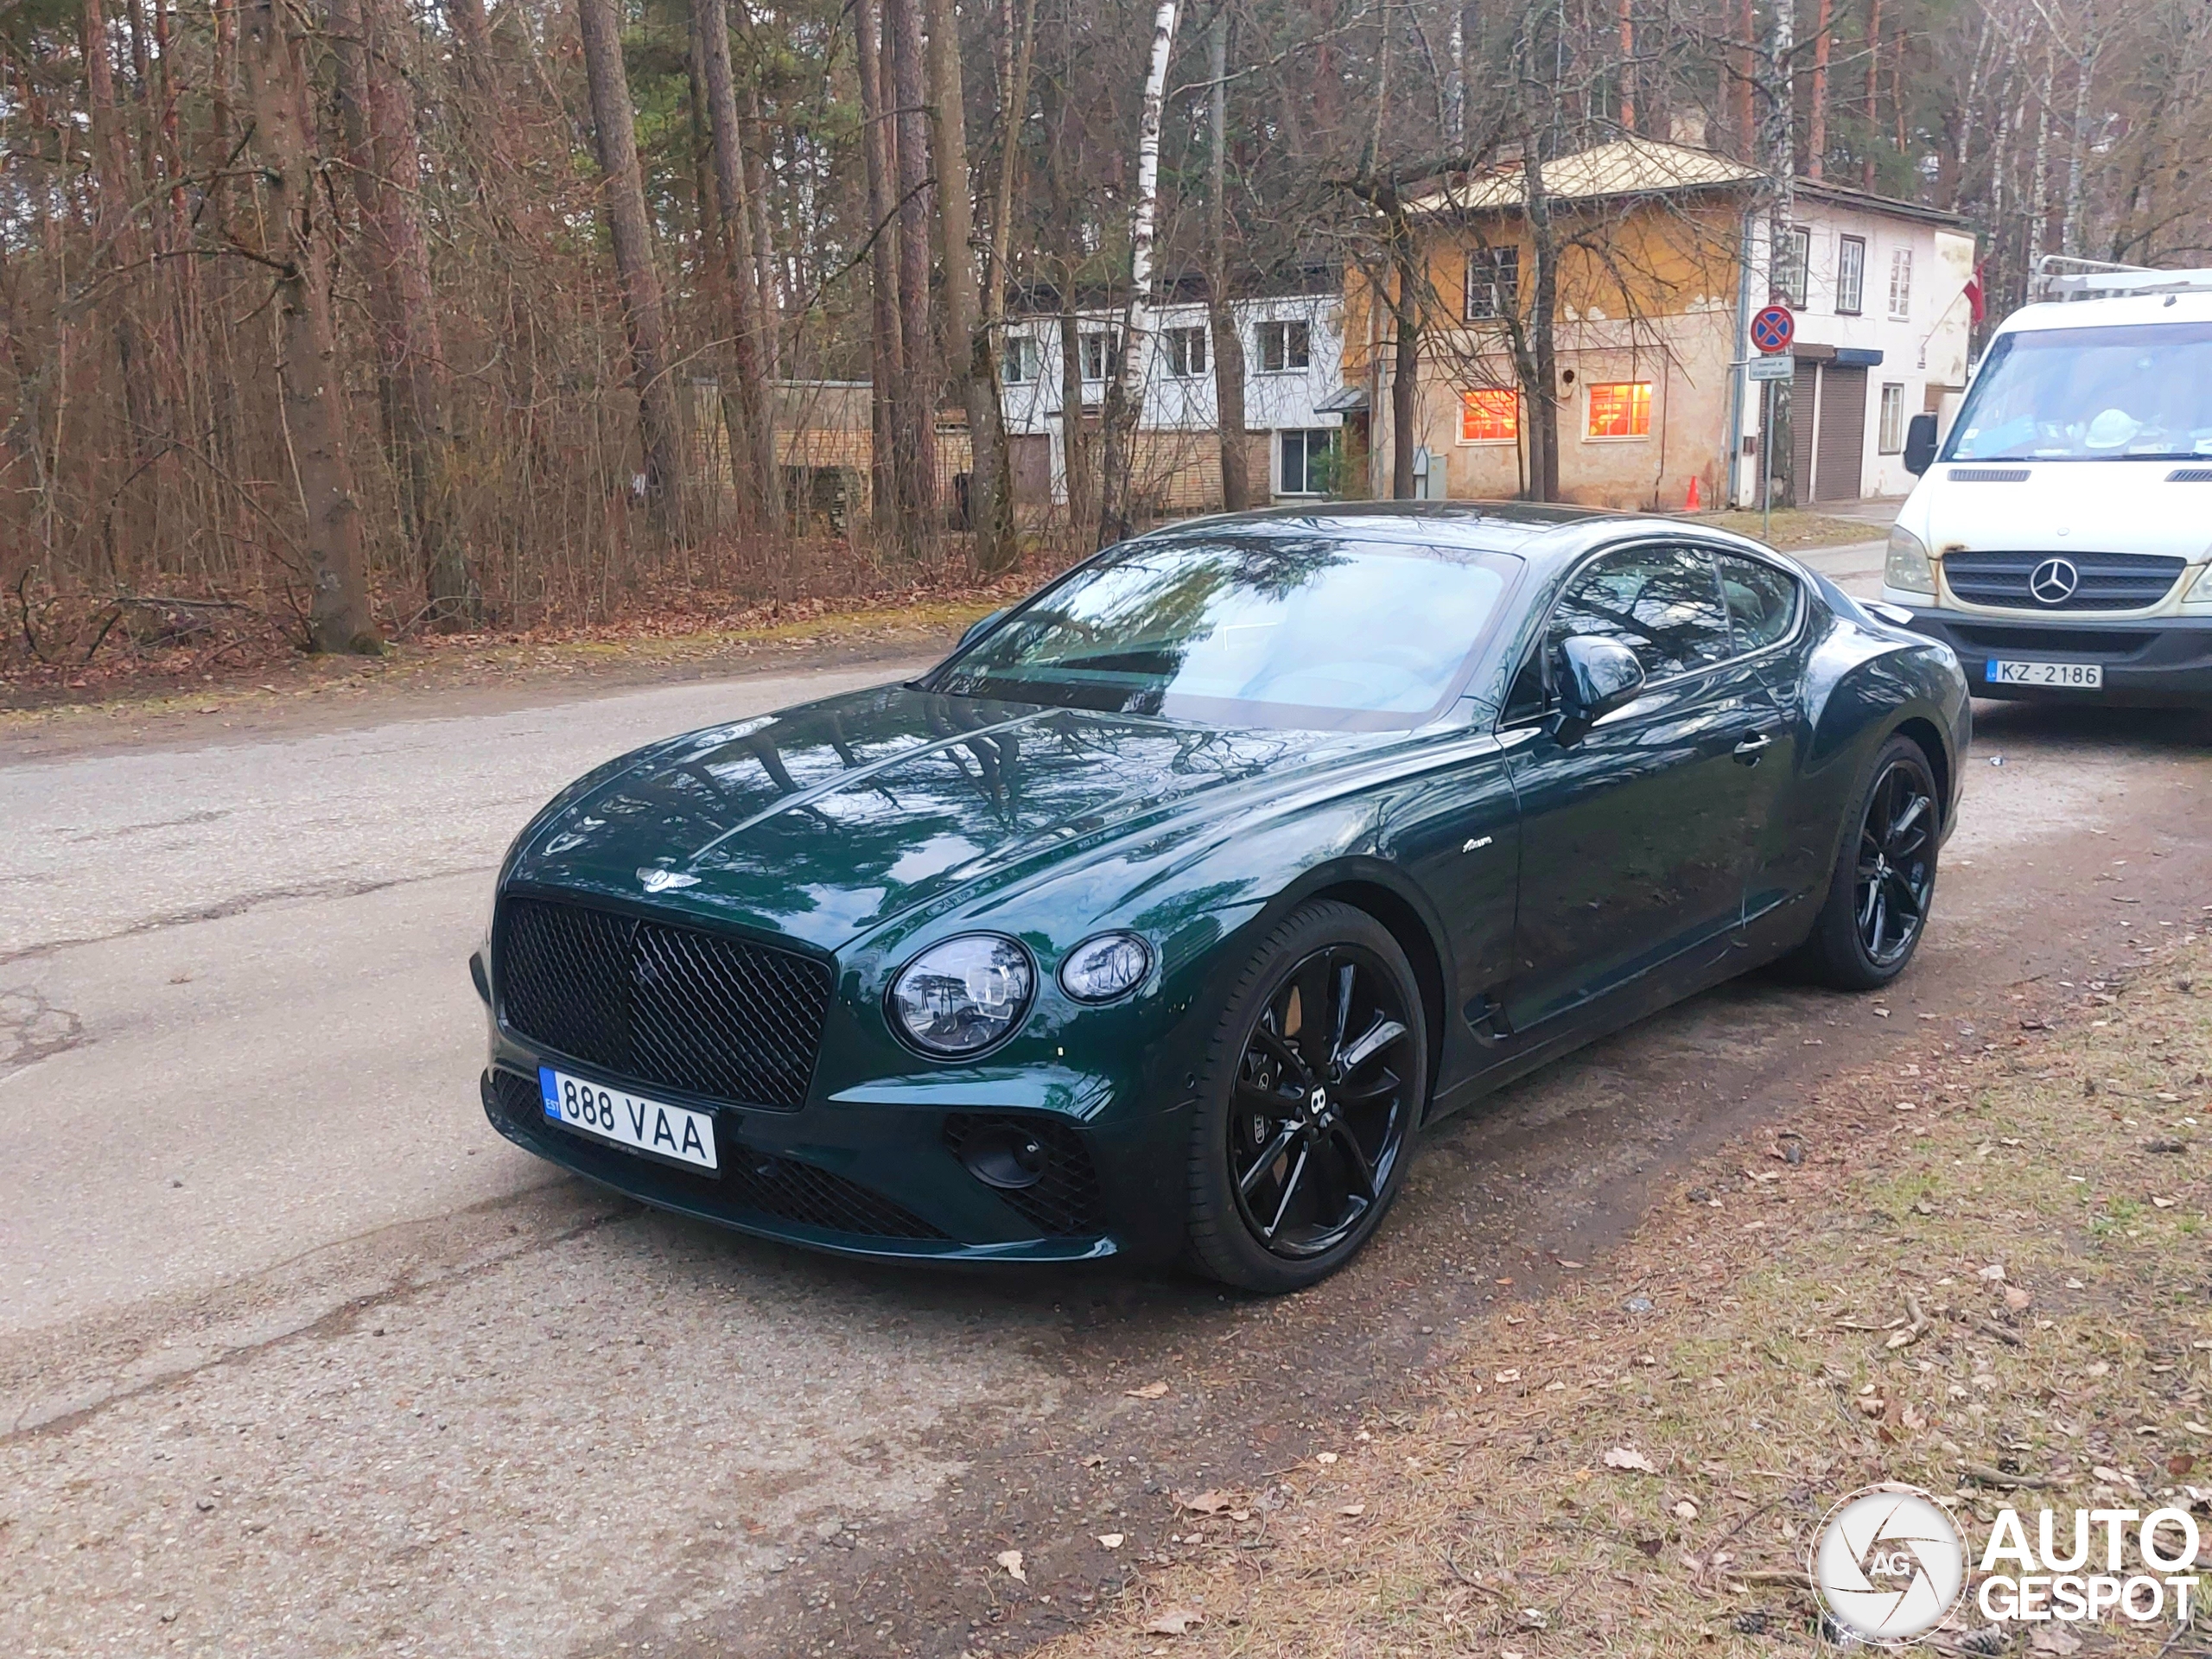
(2142, 393)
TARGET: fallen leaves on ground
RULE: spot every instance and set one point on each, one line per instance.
(1762, 1377)
(1149, 1391)
(1011, 1560)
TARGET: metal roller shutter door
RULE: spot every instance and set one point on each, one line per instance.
(1842, 437)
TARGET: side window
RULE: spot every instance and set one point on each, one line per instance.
(1762, 601)
(1663, 603)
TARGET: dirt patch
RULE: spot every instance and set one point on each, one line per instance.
(1980, 1267)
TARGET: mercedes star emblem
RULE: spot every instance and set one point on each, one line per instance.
(2054, 580)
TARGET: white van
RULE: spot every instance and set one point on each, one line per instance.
(2060, 540)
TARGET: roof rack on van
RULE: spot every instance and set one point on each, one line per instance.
(2061, 278)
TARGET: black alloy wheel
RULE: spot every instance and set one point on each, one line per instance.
(1896, 862)
(1320, 1074)
(1884, 885)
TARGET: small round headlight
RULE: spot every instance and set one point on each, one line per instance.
(1100, 969)
(963, 995)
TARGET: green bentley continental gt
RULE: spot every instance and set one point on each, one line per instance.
(1161, 919)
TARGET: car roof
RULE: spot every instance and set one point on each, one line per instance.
(1543, 533)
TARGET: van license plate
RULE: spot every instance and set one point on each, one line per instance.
(2074, 677)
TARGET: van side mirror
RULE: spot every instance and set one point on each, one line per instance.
(981, 626)
(1597, 675)
(1920, 444)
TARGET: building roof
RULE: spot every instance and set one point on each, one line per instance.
(1644, 167)
(1626, 166)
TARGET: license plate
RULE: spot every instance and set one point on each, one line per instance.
(676, 1133)
(2081, 677)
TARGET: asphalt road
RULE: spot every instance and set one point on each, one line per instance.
(297, 1357)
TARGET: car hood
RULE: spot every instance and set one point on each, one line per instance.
(2087, 506)
(826, 821)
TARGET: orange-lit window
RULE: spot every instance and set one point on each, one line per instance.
(1489, 415)
(1621, 410)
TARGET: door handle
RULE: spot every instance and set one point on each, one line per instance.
(1750, 749)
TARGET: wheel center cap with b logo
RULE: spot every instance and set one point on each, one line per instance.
(2054, 580)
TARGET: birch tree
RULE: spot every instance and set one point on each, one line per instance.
(1125, 393)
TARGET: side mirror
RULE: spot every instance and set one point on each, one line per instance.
(981, 626)
(1597, 676)
(1920, 444)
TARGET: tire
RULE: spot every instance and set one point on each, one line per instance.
(1287, 1183)
(1883, 883)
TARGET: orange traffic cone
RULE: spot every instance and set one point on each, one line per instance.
(1691, 505)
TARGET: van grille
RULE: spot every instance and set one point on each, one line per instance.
(2101, 582)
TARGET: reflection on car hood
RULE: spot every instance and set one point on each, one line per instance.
(828, 819)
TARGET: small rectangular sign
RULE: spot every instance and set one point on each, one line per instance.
(1780, 366)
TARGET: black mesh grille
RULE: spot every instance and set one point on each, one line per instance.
(2102, 581)
(674, 1006)
(2190, 475)
(2104, 642)
(752, 1184)
(1064, 1203)
(1989, 475)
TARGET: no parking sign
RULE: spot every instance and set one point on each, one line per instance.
(1773, 328)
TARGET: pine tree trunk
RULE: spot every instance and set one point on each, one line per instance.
(1227, 340)
(615, 130)
(308, 373)
(378, 116)
(1816, 113)
(887, 360)
(968, 341)
(1874, 90)
(759, 477)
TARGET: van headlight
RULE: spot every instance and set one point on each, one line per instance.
(1907, 569)
(2198, 597)
(962, 996)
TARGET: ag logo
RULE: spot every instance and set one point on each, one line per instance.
(1889, 1563)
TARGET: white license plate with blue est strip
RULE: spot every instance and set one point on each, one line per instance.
(676, 1132)
(2078, 677)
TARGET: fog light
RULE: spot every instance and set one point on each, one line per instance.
(1003, 1155)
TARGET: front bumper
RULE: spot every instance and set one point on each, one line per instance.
(883, 1182)
(2147, 662)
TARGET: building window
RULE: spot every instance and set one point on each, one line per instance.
(1100, 353)
(1850, 275)
(1309, 461)
(1794, 266)
(1489, 415)
(1187, 352)
(1901, 284)
(1017, 363)
(1493, 283)
(1285, 346)
(1891, 440)
(1621, 410)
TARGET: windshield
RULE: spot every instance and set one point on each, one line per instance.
(1300, 631)
(2137, 393)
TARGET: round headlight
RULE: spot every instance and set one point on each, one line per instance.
(963, 995)
(1100, 969)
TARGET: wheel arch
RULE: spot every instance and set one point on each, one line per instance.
(1416, 934)
(1925, 733)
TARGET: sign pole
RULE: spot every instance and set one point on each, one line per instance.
(1766, 461)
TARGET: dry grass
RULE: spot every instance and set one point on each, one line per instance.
(1796, 527)
(1824, 1312)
